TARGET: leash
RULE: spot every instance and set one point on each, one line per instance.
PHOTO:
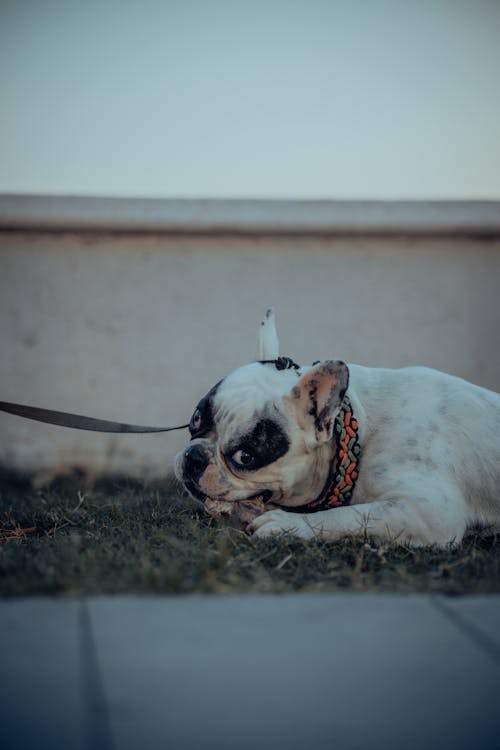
(77, 421)
(344, 468)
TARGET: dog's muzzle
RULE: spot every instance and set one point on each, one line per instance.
(190, 467)
(195, 461)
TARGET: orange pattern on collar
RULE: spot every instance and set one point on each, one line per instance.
(344, 468)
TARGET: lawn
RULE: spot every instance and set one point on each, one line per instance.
(125, 536)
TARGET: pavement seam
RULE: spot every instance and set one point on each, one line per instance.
(480, 638)
(96, 712)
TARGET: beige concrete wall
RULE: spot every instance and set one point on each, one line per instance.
(138, 326)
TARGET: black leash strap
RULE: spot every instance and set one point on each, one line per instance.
(78, 422)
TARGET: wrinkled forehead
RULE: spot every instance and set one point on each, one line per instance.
(253, 385)
(239, 397)
(249, 389)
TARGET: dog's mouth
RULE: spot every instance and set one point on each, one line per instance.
(264, 495)
(194, 490)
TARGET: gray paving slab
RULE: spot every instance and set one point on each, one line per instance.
(42, 702)
(479, 615)
(296, 672)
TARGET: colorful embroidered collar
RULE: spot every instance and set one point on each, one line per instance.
(344, 468)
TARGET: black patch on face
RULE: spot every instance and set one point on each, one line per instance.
(203, 415)
(266, 443)
(196, 460)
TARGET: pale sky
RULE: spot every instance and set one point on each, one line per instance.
(388, 99)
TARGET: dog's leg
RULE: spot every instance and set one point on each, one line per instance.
(436, 515)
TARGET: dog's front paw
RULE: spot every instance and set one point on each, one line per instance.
(281, 522)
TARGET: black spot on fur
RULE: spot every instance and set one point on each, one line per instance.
(266, 443)
(205, 408)
(443, 409)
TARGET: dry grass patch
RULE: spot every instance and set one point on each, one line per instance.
(124, 537)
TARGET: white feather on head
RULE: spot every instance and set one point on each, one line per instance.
(267, 341)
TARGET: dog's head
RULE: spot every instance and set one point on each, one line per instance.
(264, 431)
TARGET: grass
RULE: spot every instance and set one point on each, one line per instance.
(124, 537)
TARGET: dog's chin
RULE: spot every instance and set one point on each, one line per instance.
(242, 510)
(198, 494)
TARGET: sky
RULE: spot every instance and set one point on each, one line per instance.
(373, 99)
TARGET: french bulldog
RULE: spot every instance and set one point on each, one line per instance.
(409, 455)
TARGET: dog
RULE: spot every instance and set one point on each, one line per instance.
(409, 455)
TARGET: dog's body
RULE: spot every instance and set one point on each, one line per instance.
(430, 461)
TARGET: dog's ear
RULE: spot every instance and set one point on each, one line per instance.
(317, 397)
(267, 341)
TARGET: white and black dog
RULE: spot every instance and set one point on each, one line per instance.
(411, 454)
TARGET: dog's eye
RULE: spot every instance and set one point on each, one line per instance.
(243, 458)
(196, 420)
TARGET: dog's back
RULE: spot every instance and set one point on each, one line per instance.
(418, 416)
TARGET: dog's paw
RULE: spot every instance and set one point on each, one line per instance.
(276, 522)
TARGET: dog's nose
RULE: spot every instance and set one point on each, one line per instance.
(195, 461)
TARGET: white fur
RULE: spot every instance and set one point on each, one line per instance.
(430, 465)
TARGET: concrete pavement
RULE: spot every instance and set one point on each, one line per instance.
(301, 672)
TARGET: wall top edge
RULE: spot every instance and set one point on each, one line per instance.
(246, 216)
